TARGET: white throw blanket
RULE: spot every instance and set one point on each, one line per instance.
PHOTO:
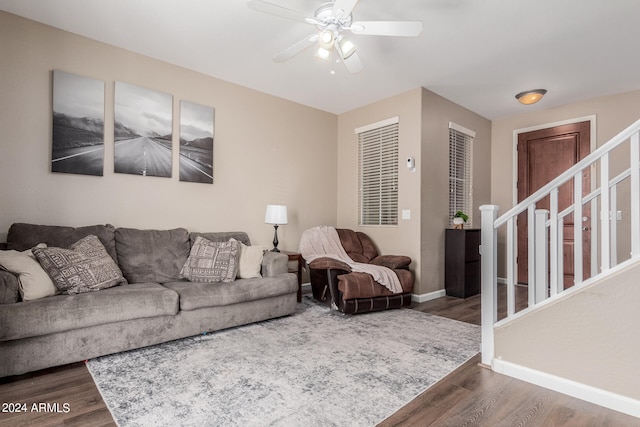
(323, 241)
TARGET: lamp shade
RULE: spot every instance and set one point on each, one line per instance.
(276, 214)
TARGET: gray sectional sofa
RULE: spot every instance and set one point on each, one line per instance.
(155, 306)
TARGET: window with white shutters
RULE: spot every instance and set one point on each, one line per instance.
(460, 172)
(378, 173)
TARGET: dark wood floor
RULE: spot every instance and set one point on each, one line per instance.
(476, 396)
(70, 384)
(470, 396)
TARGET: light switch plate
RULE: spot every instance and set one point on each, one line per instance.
(406, 214)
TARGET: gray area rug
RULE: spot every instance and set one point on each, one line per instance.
(313, 368)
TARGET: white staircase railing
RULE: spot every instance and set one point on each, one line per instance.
(545, 231)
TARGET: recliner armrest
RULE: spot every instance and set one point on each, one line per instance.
(326, 263)
(392, 261)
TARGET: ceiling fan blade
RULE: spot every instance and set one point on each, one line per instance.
(387, 28)
(342, 8)
(353, 63)
(296, 48)
(274, 9)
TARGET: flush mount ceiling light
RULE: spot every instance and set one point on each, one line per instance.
(530, 96)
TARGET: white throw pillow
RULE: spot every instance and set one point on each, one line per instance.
(34, 282)
(250, 261)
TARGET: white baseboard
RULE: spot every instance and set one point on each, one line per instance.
(428, 297)
(591, 394)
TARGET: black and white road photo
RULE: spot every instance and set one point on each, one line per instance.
(78, 124)
(196, 142)
(142, 131)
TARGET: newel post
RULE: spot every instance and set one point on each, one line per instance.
(489, 278)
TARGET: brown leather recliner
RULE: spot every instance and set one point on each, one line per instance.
(350, 292)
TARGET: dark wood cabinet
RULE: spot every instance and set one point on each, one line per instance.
(462, 262)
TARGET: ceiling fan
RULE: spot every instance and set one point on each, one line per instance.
(331, 19)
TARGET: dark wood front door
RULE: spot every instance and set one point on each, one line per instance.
(542, 156)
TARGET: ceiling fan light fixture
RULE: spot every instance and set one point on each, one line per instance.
(531, 96)
(346, 47)
(327, 39)
(323, 53)
(331, 19)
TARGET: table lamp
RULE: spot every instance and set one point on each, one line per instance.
(276, 215)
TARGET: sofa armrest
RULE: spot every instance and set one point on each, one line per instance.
(392, 261)
(274, 264)
(326, 263)
(9, 288)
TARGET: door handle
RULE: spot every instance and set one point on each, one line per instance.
(585, 228)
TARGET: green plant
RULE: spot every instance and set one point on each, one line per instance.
(462, 215)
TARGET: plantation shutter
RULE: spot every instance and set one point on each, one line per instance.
(460, 172)
(378, 173)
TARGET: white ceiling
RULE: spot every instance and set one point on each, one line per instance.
(477, 53)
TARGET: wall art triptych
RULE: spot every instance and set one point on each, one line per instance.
(196, 142)
(142, 130)
(78, 125)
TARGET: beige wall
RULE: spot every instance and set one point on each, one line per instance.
(437, 112)
(582, 338)
(403, 239)
(424, 134)
(266, 149)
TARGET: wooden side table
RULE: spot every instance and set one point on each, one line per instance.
(296, 256)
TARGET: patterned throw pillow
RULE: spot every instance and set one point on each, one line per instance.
(212, 261)
(85, 266)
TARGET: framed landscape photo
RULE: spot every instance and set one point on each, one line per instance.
(78, 124)
(196, 142)
(143, 129)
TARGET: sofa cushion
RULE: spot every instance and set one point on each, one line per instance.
(199, 295)
(221, 236)
(369, 249)
(84, 267)
(67, 312)
(357, 245)
(350, 241)
(212, 261)
(23, 236)
(33, 281)
(152, 255)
